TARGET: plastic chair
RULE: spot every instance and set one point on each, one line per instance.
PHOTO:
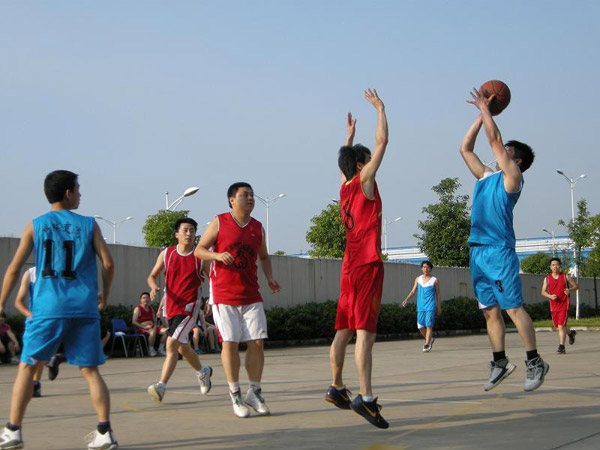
(119, 331)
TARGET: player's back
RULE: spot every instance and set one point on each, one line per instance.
(67, 279)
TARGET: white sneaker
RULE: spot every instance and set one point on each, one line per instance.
(97, 441)
(204, 379)
(152, 352)
(498, 371)
(161, 351)
(254, 399)
(535, 371)
(239, 407)
(10, 439)
(157, 391)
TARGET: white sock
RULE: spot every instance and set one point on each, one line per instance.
(367, 398)
(160, 383)
(254, 385)
(234, 386)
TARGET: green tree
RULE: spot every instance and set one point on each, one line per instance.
(158, 229)
(327, 236)
(279, 253)
(581, 231)
(538, 263)
(446, 227)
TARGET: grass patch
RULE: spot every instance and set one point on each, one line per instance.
(585, 322)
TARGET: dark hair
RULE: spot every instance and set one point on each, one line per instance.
(348, 157)
(522, 152)
(556, 259)
(178, 223)
(428, 263)
(234, 188)
(145, 293)
(57, 183)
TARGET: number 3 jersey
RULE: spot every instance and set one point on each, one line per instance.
(67, 278)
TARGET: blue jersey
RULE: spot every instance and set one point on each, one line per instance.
(492, 212)
(66, 283)
(426, 294)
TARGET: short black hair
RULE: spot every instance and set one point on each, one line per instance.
(145, 293)
(178, 223)
(523, 152)
(428, 263)
(556, 259)
(349, 156)
(234, 188)
(57, 184)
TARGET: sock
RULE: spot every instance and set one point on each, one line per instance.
(12, 427)
(234, 386)
(499, 355)
(367, 398)
(532, 354)
(103, 427)
(254, 385)
(160, 383)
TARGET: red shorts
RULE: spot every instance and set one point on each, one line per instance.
(560, 313)
(360, 298)
(147, 331)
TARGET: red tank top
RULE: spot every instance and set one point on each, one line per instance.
(237, 283)
(557, 287)
(145, 315)
(362, 220)
(183, 275)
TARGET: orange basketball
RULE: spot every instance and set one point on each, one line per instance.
(502, 98)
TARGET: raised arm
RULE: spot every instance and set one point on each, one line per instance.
(367, 175)
(207, 240)
(267, 268)
(477, 168)
(351, 126)
(108, 268)
(412, 292)
(154, 274)
(512, 173)
(22, 295)
(14, 268)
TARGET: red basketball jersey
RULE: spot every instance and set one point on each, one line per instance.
(183, 275)
(362, 220)
(237, 283)
(145, 315)
(557, 287)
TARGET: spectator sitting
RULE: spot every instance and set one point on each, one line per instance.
(206, 330)
(9, 344)
(144, 320)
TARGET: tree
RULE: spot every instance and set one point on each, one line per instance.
(327, 235)
(158, 229)
(279, 253)
(538, 263)
(581, 231)
(446, 227)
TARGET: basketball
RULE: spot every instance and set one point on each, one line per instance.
(502, 98)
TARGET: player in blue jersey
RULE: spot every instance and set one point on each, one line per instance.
(493, 260)
(65, 303)
(429, 303)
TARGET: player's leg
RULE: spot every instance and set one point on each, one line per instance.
(37, 377)
(255, 361)
(21, 393)
(337, 355)
(363, 355)
(170, 362)
(190, 356)
(429, 336)
(196, 339)
(102, 437)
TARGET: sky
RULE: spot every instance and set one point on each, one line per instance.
(144, 97)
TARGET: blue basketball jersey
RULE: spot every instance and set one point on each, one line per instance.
(492, 212)
(426, 294)
(66, 283)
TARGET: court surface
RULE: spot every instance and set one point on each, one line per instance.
(432, 401)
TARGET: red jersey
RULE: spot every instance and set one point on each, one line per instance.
(362, 220)
(145, 315)
(183, 275)
(237, 283)
(557, 287)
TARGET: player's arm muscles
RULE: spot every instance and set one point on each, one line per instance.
(11, 275)
(411, 293)
(154, 274)
(134, 319)
(267, 267)
(108, 266)
(367, 174)
(477, 168)
(544, 291)
(22, 295)
(207, 240)
(574, 286)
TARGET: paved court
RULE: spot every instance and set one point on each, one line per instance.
(432, 401)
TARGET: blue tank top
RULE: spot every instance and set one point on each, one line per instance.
(66, 278)
(426, 294)
(492, 212)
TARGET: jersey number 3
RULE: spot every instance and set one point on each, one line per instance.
(49, 272)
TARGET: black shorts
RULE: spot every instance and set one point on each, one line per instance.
(180, 327)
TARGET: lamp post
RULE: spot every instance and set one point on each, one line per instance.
(268, 202)
(572, 182)
(175, 204)
(387, 223)
(553, 240)
(114, 225)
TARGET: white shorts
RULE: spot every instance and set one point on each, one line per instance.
(240, 323)
(181, 326)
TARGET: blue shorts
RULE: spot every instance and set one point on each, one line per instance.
(80, 337)
(495, 275)
(425, 319)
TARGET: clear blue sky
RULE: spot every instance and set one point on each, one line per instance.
(143, 97)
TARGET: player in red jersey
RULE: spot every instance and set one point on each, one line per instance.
(237, 241)
(557, 287)
(361, 282)
(183, 277)
(144, 321)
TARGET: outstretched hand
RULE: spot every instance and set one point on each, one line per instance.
(351, 125)
(373, 99)
(479, 100)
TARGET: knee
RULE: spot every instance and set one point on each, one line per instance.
(172, 344)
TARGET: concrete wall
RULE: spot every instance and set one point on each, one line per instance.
(302, 280)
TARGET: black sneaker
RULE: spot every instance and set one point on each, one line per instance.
(54, 364)
(339, 397)
(561, 350)
(572, 337)
(37, 390)
(369, 410)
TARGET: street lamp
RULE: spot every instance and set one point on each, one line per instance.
(553, 241)
(175, 204)
(572, 182)
(268, 202)
(114, 225)
(387, 223)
